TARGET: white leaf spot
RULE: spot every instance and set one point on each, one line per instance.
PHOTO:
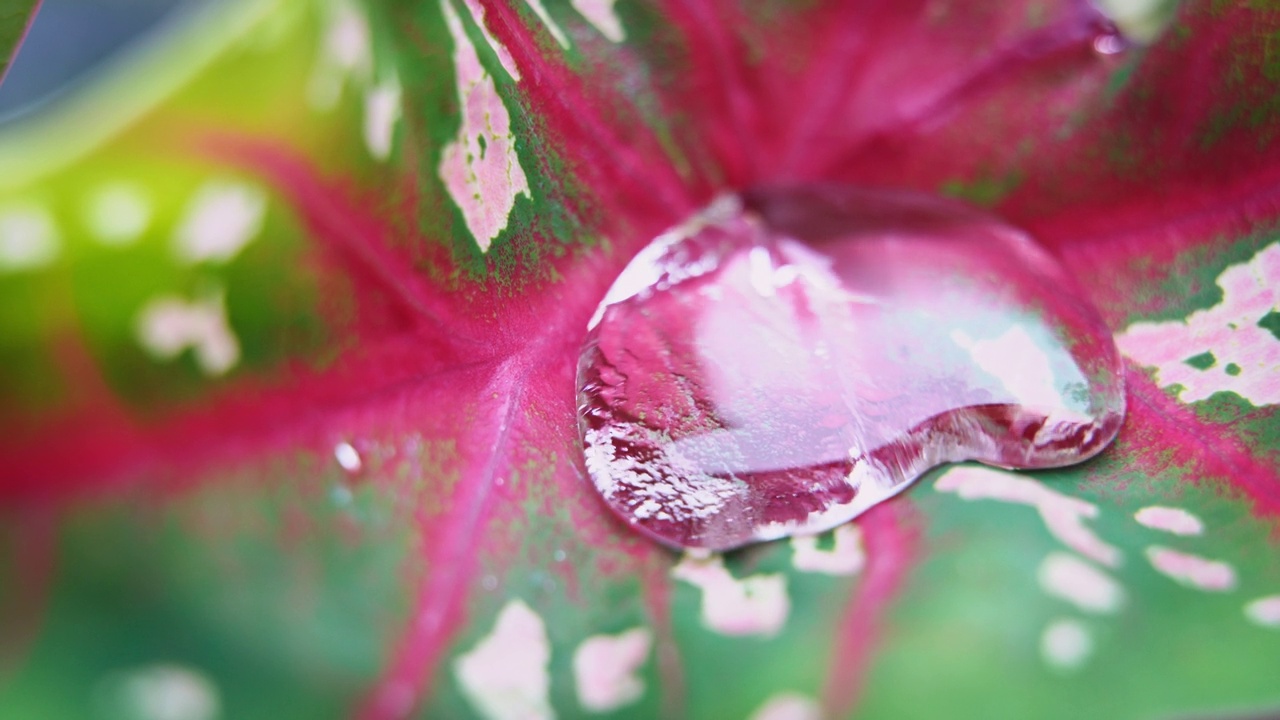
(601, 15)
(1065, 644)
(1063, 515)
(552, 27)
(1170, 520)
(1246, 356)
(28, 238)
(345, 51)
(221, 218)
(1192, 571)
(347, 39)
(168, 325)
(1076, 581)
(788, 706)
(1264, 611)
(118, 214)
(504, 56)
(756, 605)
(479, 167)
(605, 669)
(847, 557)
(381, 113)
(159, 692)
(505, 675)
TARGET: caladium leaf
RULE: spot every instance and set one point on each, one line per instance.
(292, 305)
(15, 18)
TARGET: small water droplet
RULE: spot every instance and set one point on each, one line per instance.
(853, 340)
(341, 495)
(347, 457)
(559, 556)
(1109, 44)
(489, 582)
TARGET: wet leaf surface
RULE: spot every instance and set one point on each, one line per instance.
(288, 365)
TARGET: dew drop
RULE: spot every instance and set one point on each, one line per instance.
(1109, 44)
(348, 457)
(788, 359)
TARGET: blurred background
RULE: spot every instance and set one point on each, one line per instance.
(71, 39)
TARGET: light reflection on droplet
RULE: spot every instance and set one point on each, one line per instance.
(1108, 44)
(347, 456)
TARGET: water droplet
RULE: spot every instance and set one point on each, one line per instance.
(786, 360)
(559, 556)
(1109, 44)
(347, 457)
(341, 495)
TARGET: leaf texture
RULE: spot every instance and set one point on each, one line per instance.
(289, 425)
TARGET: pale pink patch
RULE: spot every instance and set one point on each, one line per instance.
(29, 238)
(381, 113)
(222, 217)
(504, 56)
(755, 605)
(1069, 578)
(1170, 520)
(601, 15)
(605, 669)
(347, 40)
(847, 557)
(1228, 330)
(1065, 644)
(118, 214)
(168, 325)
(163, 691)
(788, 706)
(1264, 611)
(479, 167)
(1063, 516)
(556, 32)
(345, 52)
(505, 676)
(1192, 570)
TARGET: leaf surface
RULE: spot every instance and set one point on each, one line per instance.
(15, 17)
(350, 478)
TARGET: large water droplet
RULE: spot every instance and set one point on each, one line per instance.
(788, 359)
